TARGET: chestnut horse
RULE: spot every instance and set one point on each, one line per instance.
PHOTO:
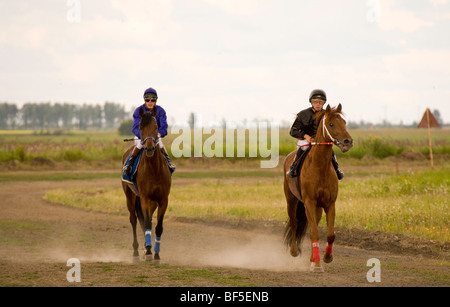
(318, 184)
(153, 181)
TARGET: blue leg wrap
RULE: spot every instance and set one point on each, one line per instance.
(157, 245)
(148, 237)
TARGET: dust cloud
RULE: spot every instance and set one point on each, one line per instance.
(247, 251)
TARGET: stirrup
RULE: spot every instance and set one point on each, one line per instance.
(127, 170)
(171, 167)
(128, 167)
(292, 173)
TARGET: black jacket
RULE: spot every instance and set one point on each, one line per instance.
(305, 123)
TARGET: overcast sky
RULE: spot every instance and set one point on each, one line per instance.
(232, 59)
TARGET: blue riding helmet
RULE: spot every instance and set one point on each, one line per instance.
(150, 91)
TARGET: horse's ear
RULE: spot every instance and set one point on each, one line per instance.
(141, 112)
(154, 111)
(339, 108)
(328, 108)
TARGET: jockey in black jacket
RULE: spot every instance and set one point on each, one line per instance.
(304, 128)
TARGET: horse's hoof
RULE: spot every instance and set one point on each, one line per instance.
(316, 268)
(148, 257)
(295, 252)
(327, 258)
(157, 257)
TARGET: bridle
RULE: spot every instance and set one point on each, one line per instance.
(156, 141)
(147, 138)
(325, 129)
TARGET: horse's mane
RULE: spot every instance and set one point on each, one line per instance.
(333, 112)
(145, 119)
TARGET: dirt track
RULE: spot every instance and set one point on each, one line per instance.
(37, 238)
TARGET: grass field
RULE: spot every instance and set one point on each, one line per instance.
(73, 146)
(414, 203)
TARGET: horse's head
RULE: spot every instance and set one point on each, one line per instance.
(332, 128)
(149, 131)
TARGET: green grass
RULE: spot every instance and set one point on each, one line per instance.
(189, 276)
(57, 176)
(414, 203)
(24, 146)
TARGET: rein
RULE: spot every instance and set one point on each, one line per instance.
(157, 141)
(315, 143)
(324, 129)
(148, 138)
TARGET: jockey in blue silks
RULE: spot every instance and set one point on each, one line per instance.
(150, 98)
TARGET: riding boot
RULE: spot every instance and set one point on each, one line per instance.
(172, 167)
(293, 170)
(339, 173)
(128, 167)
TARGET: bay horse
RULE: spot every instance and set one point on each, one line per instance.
(153, 179)
(316, 188)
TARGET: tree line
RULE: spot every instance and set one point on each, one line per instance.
(44, 116)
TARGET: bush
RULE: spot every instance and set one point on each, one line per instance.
(126, 127)
(376, 147)
(73, 155)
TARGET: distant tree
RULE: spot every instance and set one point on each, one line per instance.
(191, 121)
(438, 117)
(126, 127)
(67, 114)
(114, 113)
(8, 114)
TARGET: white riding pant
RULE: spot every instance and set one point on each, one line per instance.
(139, 145)
(303, 144)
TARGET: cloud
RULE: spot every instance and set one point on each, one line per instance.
(227, 59)
(393, 18)
(437, 3)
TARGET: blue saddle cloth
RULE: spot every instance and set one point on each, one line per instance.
(131, 180)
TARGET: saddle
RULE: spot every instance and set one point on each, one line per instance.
(131, 180)
(298, 167)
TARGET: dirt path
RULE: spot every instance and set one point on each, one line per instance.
(37, 238)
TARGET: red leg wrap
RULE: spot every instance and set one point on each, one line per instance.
(316, 255)
(329, 249)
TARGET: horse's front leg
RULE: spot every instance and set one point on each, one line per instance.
(314, 214)
(331, 214)
(159, 226)
(131, 204)
(147, 228)
(133, 221)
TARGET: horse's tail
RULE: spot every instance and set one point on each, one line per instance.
(302, 222)
(138, 210)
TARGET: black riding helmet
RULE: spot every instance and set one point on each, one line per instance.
(318, 93)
